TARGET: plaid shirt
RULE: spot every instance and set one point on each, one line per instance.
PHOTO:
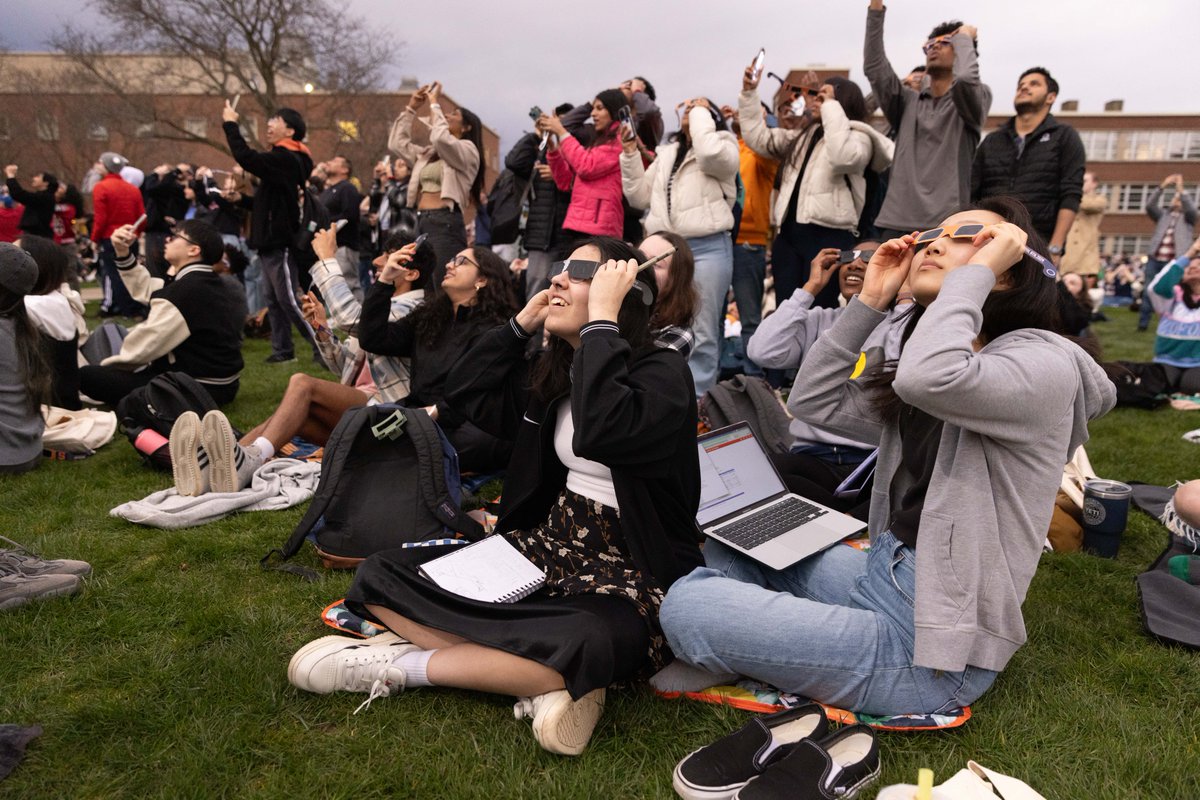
(674, 337)
(391, 374)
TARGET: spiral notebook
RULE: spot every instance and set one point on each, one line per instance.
(490, 570)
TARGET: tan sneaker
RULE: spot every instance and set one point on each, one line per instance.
(560, 724)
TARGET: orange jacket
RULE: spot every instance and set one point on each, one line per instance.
(758, 178)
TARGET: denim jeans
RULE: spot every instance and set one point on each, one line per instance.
(714, 272)
(116, 298)
(836, 628)
(749, 272)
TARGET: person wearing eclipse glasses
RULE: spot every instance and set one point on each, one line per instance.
(602, 494)
(974, 422)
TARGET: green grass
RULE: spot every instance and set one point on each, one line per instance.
(166, 676)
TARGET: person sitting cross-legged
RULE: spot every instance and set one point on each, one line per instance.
(202, 451)
(194, 325)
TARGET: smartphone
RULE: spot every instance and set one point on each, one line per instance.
(651, 262)
(625, 117)
(420, 240)
(756, 67)
(535, 112)
(233, 103)
(341, 223)
(387, 160)
(139, 223)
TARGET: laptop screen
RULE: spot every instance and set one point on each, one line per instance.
(735, 473)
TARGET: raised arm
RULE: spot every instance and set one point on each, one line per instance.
(716, 154)
(594, 162)
(489, 383)
(971, 96)
(460, 154)
(849, 151)
(400, 141)
(375, 333)
(768, 142)
(885, 84)
(636, 180)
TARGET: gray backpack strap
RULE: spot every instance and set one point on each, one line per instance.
(427, 440)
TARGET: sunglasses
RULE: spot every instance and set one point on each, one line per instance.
(850, 256)
(932, 44)
(579, 270)
(799, 91)
(970, 230)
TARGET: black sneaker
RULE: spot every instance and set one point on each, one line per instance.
(718, 771)
(838, 766)
(281, 358)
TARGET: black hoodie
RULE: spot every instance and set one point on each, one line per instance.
(276, 210)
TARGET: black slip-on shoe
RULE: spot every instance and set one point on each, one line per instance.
(719, 770)
(837, 767)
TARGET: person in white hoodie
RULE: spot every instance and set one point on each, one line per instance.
(690, 189)
(56, 310)
(821, 181)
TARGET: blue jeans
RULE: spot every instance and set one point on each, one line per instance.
(749, 272)
(116, 298)
(1153, 265)
(836, 627)
(714, 272)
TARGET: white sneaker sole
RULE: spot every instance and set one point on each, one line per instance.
(185, 464)
(219, 443)
(566, 726)
(689, 792)
(300, 668)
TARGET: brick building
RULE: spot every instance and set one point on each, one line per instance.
(55, 121)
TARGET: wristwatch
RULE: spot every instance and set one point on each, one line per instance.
(1055, 250)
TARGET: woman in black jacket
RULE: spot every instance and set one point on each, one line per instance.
(473, 297)
(609, 423)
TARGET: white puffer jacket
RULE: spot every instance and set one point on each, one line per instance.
(845, 150)
(705, 185)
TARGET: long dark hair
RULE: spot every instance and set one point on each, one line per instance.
(494, 301)
(1031, 300)
(32, 367)
(685, 141)
(552, 373)
(475, 137)
(612, 100)
(847, 93)
(678, 298)
(53, 265)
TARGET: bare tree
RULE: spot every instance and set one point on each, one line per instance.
(261, 49)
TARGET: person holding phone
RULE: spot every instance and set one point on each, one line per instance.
(115, 203)
(690, 190)
(601, 494)
(974, 422)
(590, 171)
(447, 174)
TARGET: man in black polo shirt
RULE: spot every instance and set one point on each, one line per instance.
(194, 325)
(275, 220)
(1034, 158)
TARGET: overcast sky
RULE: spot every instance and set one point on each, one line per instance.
(499, 58)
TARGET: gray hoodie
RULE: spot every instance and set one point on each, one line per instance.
(1014, 412)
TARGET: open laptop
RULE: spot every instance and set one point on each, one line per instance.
(744, 504)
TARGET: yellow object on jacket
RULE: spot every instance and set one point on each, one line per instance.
(758, 178)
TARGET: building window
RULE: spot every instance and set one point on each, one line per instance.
(1141, 145)
(98, 131)
(1125, 245)
(47, 128)
(144, 130)
(5, 134)
(196, 126)
(347, 130)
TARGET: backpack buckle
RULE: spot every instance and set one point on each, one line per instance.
(390, 427)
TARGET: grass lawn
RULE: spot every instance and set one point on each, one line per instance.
(166, 676)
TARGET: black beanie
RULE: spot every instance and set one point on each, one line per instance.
(18, 270)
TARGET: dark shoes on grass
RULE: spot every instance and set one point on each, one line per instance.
(786, 754)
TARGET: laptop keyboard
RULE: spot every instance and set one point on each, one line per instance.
(763, 526)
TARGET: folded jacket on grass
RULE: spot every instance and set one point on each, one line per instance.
(278, 484)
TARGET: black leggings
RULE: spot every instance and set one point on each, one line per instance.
(1183, 380)
(110, 384)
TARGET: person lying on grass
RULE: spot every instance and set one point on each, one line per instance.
(601, 493)
(974, 422)
(311, 407)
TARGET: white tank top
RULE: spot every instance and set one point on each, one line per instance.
(590, 479)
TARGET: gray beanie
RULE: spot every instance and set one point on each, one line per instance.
(18, 270)
(113, 162)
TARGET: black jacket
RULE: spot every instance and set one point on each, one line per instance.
(276, 211)
(430, 365)
(342, 200)
(165, 201)
(1046, 178)
(39, 209)
(634, 413)
(547, 205)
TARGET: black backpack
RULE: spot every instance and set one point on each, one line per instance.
(746, 399)
(504, 206)
(148, 412)
(388, 477)
(1141, 384)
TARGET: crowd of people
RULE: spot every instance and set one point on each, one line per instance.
(928, 291)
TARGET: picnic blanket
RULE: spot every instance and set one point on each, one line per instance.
(278, 484)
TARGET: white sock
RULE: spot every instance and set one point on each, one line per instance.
(415, 666)
(265, 448)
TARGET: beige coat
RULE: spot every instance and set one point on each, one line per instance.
(461, 158)
(1082, 253)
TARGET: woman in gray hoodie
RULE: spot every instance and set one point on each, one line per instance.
(974, 423)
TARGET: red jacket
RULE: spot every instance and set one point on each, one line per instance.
(596, 193)
(115, 202)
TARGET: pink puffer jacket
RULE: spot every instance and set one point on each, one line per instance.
(593, 176)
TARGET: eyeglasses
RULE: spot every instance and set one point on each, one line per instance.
(580, 271)
(462, 260)
(970, 230)
(171, 236)
(932, 44)
(800, 91)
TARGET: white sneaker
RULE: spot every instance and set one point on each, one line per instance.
(560, 724)
(341, 664)
(189, 461)
(232, 466)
